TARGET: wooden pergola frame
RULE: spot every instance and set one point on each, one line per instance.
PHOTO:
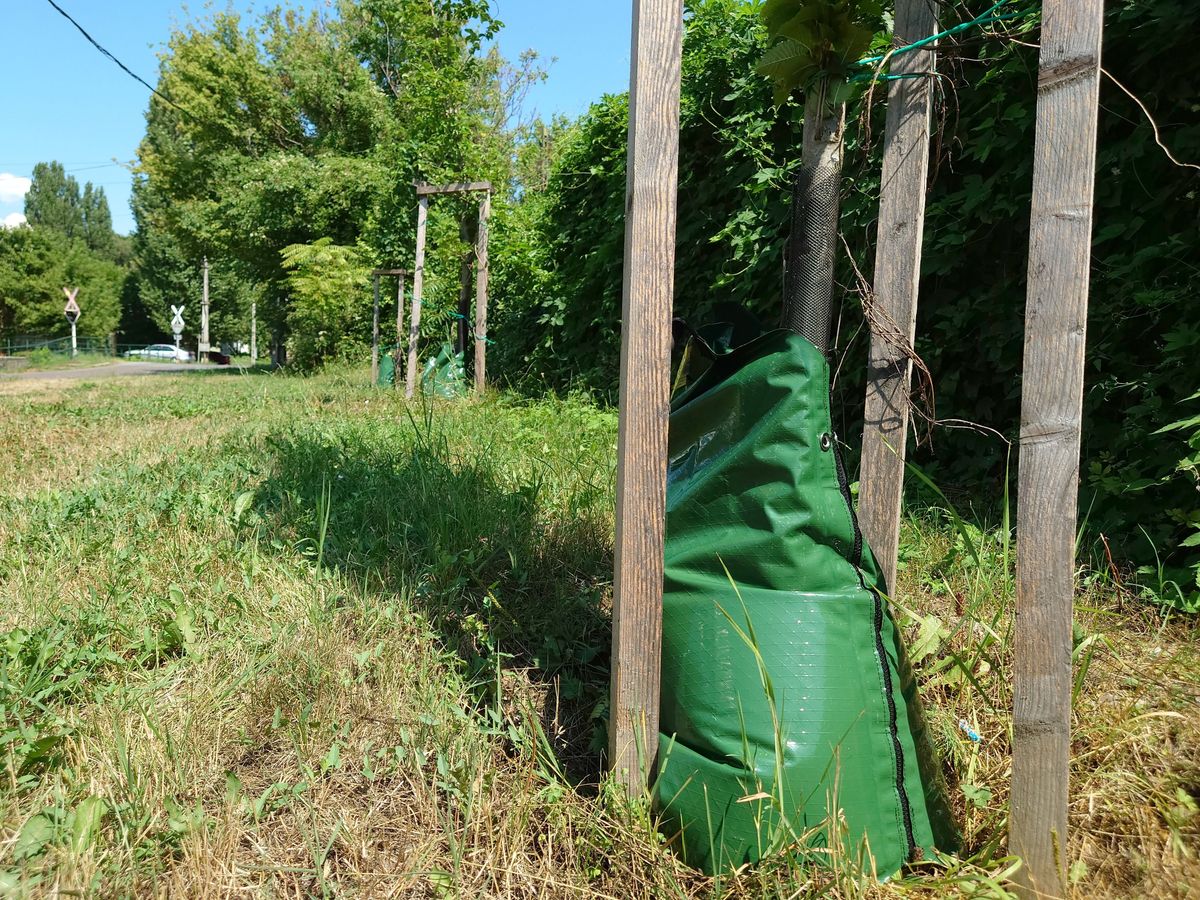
(400, 275)
(1051, 408)
(424, 192)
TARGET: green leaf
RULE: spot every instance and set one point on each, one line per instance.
(242, 504)
(85, 821)
(442, 883)
(34, 836)
(784, 57)
(977, 795)
(777, 13)
(333, 758)
(1193, 422)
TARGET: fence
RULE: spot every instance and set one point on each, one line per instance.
(21, 344)
(25, 344)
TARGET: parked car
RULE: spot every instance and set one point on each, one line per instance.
(216, 356)
(160, 351)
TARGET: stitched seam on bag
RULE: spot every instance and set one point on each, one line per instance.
(904, 812)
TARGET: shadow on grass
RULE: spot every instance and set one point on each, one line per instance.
(495, 567)
(201, 370)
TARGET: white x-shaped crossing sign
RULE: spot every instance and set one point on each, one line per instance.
(71, 310)
(177, 321)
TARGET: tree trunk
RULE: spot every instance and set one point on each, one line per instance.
(812, 248)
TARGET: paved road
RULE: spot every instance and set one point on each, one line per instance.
(113, 370)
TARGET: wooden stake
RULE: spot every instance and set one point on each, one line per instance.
(466, 269)
(481, 294)
(414, 321)
(399, 330)
(203, 348)
(645, 384)
(1051, 409)
(458, 187)
(897, 276)
(375, 333)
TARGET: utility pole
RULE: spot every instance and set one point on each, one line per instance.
(204, 317)
(253, 332)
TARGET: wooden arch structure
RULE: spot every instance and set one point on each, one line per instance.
(1052, 391)
(424, 192)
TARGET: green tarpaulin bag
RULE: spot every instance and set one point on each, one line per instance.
(444, 375)
(387, 369)
(776, 636)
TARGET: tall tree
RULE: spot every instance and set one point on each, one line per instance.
(97, 230)
(166, 274)
(35, 265)
(275, 149)
(302, 129)
(53, 200)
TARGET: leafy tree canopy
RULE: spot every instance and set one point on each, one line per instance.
(302, 128)
(35, 265)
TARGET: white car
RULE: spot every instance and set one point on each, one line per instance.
(161, 351)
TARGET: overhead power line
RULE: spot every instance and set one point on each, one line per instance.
(124, 68)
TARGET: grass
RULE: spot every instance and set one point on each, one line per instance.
(265, 636)
(43, 359)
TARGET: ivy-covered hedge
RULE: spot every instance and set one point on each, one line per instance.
(559, 295)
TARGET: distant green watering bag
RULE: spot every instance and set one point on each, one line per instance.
(444, 375)
(790, 716)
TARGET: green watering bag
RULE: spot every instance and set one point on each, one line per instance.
(790, 715)
(444, 375)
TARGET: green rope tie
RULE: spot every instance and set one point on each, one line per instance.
(982, 20)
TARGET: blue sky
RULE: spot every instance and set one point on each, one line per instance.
(61, 99)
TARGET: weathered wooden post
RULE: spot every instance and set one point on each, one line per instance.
(375, 330)
(399, 329)
(203, 347)
(377, 351)
(897, 276)
(1051, 410)
(481, 293)
(414, 320)
(645, 387)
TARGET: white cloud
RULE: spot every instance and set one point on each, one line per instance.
(14, 220)
(13, 187)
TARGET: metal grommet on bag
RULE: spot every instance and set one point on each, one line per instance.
(826, 441)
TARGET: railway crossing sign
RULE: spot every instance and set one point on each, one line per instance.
(177, 321)
(71, 310)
